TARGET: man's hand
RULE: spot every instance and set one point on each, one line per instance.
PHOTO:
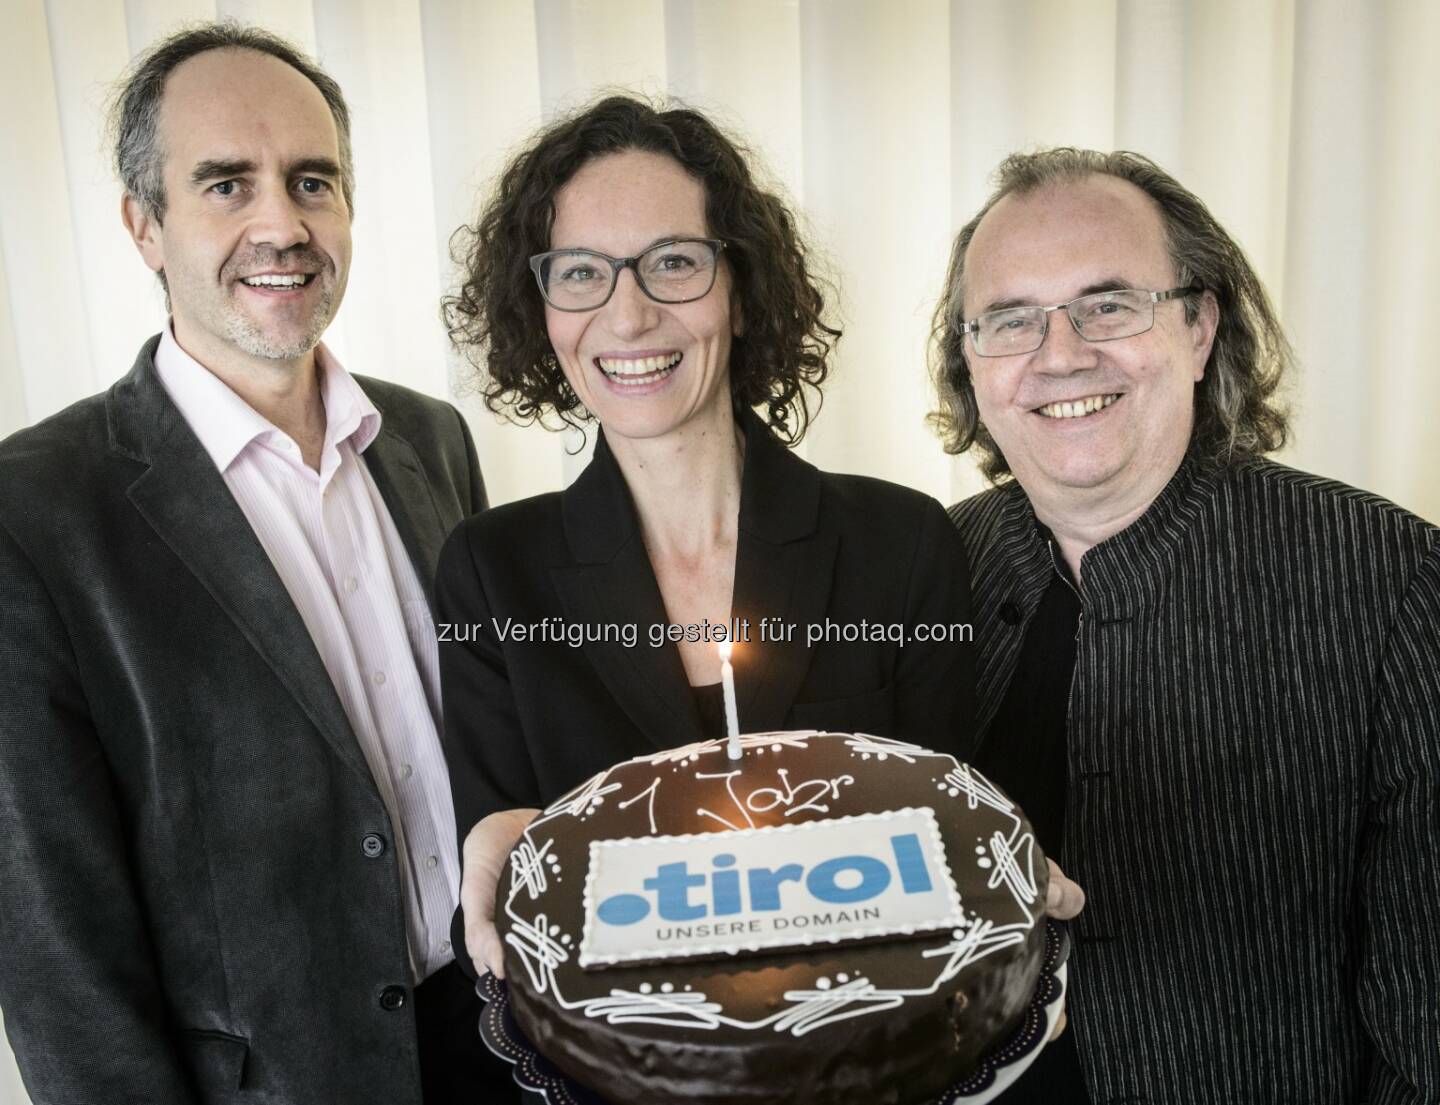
(1063, 901)
(1060, 1024)
(487, 846)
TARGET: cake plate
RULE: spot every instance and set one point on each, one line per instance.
(997, 1072)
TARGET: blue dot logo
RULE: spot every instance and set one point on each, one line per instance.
(623, 909)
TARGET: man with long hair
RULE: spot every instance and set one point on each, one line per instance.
(1213, 682)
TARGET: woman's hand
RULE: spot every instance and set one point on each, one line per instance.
(483, 856)
(1063, 901)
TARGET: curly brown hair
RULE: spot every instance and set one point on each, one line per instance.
(496, 320)
(1237, 411)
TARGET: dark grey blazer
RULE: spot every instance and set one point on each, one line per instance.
(1254, 786)
(190, 911)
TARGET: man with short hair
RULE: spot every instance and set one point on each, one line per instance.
(226, 831)
(1213, 682)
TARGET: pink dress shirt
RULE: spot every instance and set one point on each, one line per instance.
(335, 547)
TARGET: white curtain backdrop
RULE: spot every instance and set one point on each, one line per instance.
(1311, 127)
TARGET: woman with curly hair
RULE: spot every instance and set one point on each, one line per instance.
(629, 270)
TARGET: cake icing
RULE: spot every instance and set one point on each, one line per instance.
(871, 1006)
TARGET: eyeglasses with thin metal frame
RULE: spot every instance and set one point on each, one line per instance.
(1101, 316)
(679, 270)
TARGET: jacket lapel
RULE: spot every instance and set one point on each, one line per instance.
(395, 467)
(783, 571)
(1016, 575)
(613, 583)
(184, 499)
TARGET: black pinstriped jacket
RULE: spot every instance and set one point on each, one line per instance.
(1254, 762)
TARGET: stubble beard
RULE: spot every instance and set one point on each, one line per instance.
(282, 342)
(247, 335)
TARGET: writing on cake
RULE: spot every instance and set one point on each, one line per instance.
(775, 883)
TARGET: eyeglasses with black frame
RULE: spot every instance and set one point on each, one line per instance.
(1102, 316)
(676, 271)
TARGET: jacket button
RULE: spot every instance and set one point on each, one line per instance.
(1009, 613)
(373, 845)
(392, 998)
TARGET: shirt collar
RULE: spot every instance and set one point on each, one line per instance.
(226, 424)
(349, 413)
(1129, 569)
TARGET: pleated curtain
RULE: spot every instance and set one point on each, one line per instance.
(1310, 127)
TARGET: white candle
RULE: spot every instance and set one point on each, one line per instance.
(732, 715)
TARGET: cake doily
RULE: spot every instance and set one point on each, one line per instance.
(996, 1073)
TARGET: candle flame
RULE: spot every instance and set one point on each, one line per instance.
(724, 649)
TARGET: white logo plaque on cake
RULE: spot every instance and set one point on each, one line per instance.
(710, 894)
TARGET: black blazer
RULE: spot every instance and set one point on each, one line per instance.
(526, 722)
(202, 901)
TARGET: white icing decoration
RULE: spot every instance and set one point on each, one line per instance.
(978, 789)
(689, 1010)
(765, 799)
(818, 788)
(578, 799)
(864, 743)
(816, 1008)
(538, 951)
(729, 777)
(1007, 855)
(528, 868)
(982, 938)
(650, 790)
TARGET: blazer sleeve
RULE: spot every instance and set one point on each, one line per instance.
(935, 676)
(83, 1007)
(1399, 884)
(485, 748)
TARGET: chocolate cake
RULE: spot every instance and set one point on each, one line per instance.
(835, 918)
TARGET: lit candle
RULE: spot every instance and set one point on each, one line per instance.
(732, 715)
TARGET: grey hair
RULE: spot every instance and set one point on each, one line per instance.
(135, 108)
(1237, 413)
